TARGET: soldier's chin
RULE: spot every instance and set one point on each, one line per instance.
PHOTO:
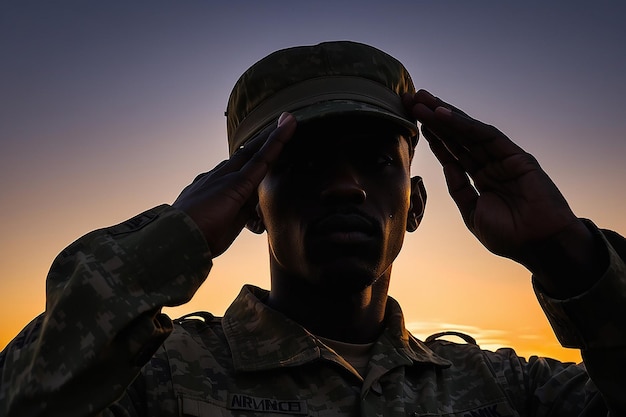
(353, 286)
(346, 269)
(347, 279)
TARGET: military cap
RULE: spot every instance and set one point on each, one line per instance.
(313, 82)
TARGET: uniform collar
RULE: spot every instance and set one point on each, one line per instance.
(261, 338)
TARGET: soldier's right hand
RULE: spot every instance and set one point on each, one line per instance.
(221, 201)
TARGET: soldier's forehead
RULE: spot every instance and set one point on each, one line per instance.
(357, 124)
(329, 137)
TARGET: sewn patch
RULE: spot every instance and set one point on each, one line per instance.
(266, 405)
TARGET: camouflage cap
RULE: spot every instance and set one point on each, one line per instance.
(312, 82)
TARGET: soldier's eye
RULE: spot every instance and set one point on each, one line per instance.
(304, 165)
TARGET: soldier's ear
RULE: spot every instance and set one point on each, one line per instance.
(418, 204)
(255, 222)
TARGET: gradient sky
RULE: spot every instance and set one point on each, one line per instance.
(108, 108)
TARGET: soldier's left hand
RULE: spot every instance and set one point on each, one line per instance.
(505, 198)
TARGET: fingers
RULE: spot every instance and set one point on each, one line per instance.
(245, 169)
(485, 141)
(459, 186)
(462, 192)
(242, 155)
(202, 175)
(460, 132)
(222, 200)
(428, 100)
(453, 152)
(265, 147)
(258, 165)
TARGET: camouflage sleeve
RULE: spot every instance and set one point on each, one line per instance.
(542, 387)
(102, 320)
(595, 322)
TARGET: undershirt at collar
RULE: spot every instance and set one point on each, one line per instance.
(356, 354)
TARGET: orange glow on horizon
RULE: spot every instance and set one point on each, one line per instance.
(514, 320)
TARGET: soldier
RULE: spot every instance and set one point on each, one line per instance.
(321, 140)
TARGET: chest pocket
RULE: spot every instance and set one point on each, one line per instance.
(500, 409)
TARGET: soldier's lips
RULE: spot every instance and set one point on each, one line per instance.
(344, 229)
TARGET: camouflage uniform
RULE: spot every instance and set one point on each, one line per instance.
(102, 346)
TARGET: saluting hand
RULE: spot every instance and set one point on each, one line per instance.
(222, 200)
(506, 200)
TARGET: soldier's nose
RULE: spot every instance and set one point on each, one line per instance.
(344, 187)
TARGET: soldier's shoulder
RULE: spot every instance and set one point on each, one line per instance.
(195, 334)
(460, 348)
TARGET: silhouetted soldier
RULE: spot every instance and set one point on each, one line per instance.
(321, 141)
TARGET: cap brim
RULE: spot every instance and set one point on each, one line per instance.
(335, 108)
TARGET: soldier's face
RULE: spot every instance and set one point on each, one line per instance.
(335, 204)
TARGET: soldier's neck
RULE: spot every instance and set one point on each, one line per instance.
(352, 318)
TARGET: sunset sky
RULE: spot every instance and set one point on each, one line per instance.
(108, 108)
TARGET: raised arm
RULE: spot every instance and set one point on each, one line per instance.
(104, 293)
(515, 210)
